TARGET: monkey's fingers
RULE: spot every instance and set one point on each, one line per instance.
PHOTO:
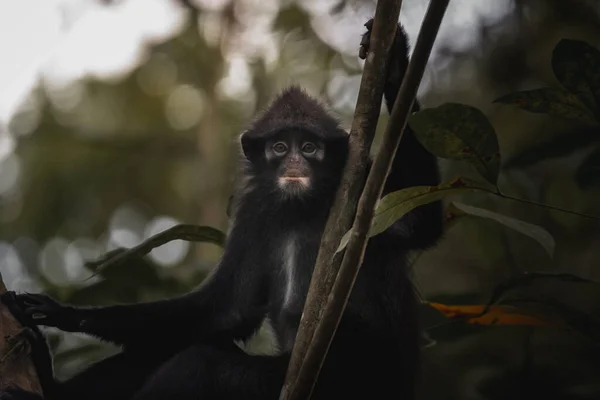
(36, 299)
(364, 45)
(54, 314)
(31, 309)
(366, 40)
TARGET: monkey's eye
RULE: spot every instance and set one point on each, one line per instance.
(309, 148)
(280, 148)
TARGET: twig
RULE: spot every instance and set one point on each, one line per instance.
(547, 206)
(372, 192)
(526, 278)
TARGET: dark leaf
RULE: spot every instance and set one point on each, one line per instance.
(552, 101)
(430, 316)
(588, 173)
(560, 146)
(576, 65)
(569, 298)
(529, 278)
(459, 132)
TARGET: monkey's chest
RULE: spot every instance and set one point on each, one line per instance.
(292, 265)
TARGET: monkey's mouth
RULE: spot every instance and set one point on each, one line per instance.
(287, 180)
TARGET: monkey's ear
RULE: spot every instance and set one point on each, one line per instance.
(252, 146)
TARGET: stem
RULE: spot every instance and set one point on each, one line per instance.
(354, 253)
(504, 196)
(340, 219)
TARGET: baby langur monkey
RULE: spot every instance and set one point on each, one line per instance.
(183, 348)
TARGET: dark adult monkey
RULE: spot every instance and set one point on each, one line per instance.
(182, 348)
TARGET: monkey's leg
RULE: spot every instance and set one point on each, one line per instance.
(353, 369)
(117, 378)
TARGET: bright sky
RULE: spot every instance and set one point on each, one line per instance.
(67, 39)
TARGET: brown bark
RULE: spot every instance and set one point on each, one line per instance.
(329, 314)
(16, 368)
(340, 219)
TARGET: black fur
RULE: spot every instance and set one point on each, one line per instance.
(182, 348)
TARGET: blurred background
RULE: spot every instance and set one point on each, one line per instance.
(120, 118)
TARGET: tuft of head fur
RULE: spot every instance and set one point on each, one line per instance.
(295, 109)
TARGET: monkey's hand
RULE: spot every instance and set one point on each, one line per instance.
(366, 40)
(38, 309)
(398, 58)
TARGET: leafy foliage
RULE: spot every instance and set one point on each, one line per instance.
(395, 205)
(588, 172)
(536, 232)
(551, 101)
(576, 65)
(560, 146)
(459, 132)
(494, 315)
(523, 300)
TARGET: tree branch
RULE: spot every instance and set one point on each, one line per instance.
(366, 115)
(355, 249)
(16, 369)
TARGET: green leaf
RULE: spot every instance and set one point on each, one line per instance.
(191, 233)
(459, 132)
(588, 173)
(576, 65)
(560, 146)
(552, 101)
(452, 215)
(535, 232)
(395, 205)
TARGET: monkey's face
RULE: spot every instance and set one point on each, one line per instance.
(295, 163)
(293, 157)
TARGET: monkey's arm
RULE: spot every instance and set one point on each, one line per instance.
(413, 165)
(228, 304)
